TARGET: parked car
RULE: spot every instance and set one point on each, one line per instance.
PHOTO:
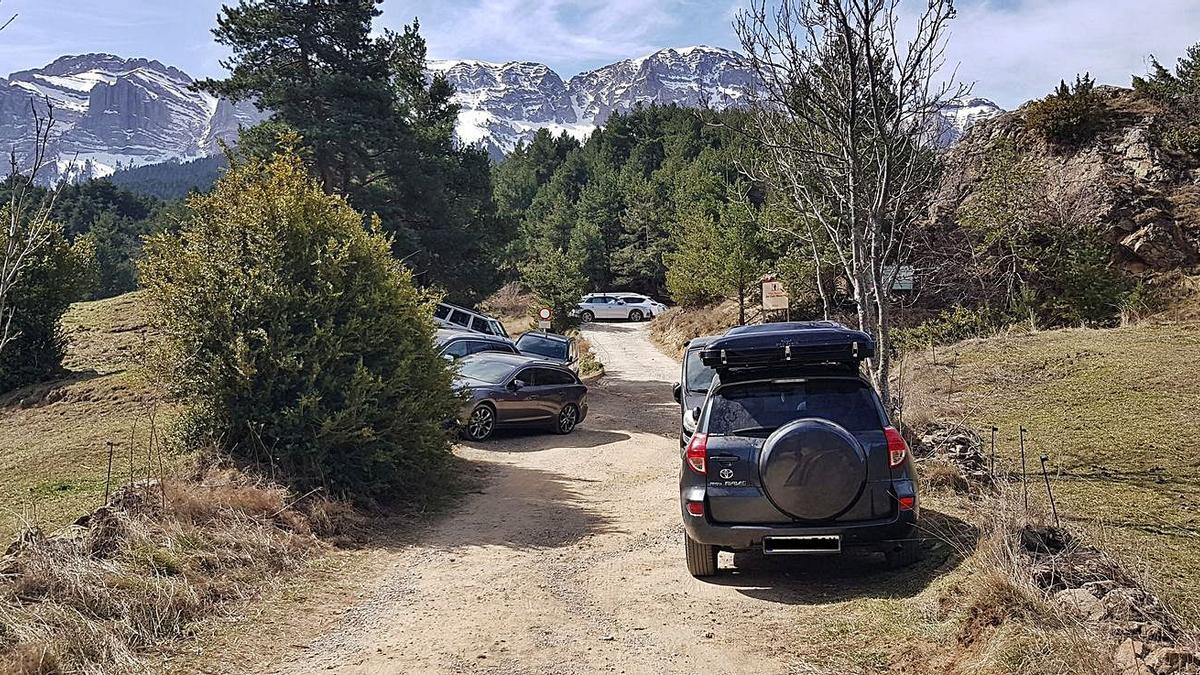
(629, 306)
(461, 318)
(456, 344)
(693, 386)
(793, 452)
(508, 390)
(550, 346)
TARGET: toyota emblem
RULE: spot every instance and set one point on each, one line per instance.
(726, 473)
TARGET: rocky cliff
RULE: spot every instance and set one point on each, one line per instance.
(1145, 199)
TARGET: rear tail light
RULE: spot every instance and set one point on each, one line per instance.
(897, 448)
(697, 453)
(695, 509)
(907, 503)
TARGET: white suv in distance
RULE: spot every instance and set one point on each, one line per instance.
(631, 306)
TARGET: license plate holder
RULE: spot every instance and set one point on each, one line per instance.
(801, 545)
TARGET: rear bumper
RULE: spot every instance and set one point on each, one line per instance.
(880, 535)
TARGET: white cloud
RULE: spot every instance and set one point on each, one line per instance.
(553, 31)
(1017, 51)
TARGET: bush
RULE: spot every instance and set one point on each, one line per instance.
(59, 275)
(1070, 116)
(297, 338)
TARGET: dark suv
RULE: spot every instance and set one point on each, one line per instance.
(793, 452)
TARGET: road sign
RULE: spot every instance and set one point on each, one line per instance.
(545, 314)
(775, 296)
(904, 278)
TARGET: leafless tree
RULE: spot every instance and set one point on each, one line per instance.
(848, 119)
(27, 225)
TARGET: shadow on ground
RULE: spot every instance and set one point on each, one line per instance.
(504, 505)
(800, 580)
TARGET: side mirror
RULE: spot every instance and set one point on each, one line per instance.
(677, 392)
(696, 413)
(517, 385)
(449, 357)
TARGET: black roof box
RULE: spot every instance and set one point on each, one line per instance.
(782, 344)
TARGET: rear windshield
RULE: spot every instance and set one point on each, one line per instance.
(532, 343)
(492, 372)
(760, 408)
(699, 376)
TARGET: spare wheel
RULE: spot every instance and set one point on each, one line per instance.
(813, 469)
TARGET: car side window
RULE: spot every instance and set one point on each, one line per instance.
(458, 349)
(460, 318)
(548, 377)
(441, 312)
(528, 376)
(633, 301)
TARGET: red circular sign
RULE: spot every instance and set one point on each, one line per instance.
(545, 313)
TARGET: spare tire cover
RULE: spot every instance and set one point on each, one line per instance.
(813, 469)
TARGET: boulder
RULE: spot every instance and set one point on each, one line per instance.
(1128, 658)
(1081, 603)
(1160, 245)
(1171, 660)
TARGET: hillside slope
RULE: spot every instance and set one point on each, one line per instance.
(1114, 410)
(53, 436)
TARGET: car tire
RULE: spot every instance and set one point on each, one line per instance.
(481, 423)
(636, 316)
(907, 554)
(586, 316)
(568, 420)
(701, 558)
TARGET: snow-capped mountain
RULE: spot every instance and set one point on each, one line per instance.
(506, 103)
(961, 114)
(111, 112)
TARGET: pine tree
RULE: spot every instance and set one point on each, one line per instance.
(374, 128)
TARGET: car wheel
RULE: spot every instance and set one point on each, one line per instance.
(481, 423)
(908, 553)
(587, 317)
(568, 419)
(636, 316)
(701, 558)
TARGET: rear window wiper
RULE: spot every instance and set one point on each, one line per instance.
(751, 431)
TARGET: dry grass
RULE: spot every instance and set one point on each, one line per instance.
(589, 364)
(53, 453)
(677, 326)
(1115, 412)
(137, 575)
(514, 305)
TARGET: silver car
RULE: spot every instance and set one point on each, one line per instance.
(506, 390)
(631, 306)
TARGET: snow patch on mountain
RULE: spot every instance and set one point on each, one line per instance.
(111, 112)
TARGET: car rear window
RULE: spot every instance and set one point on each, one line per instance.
(540, 345)
(699, 376)
(483, 370)
(761, 407)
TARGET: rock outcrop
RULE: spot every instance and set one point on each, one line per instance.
(1145, 199)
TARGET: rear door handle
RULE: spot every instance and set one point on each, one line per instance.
(725, 458)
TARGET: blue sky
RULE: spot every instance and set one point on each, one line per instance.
(1012, 49)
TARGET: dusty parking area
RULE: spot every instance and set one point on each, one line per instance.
(568, 559)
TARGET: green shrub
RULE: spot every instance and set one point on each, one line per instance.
(950, 326)
(58, 275)
(1070, 116)
(300, 342)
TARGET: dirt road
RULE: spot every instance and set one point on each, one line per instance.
(569, 560)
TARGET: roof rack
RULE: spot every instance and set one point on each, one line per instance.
(785, 344)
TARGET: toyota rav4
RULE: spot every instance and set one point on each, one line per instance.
(793, 452)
